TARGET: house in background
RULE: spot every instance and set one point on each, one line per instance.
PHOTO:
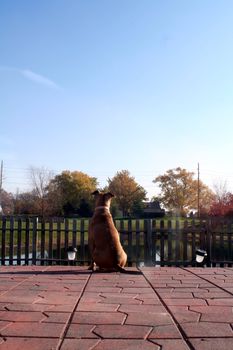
(153, 210)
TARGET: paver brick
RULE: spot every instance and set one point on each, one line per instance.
(16, 316)
(103, 289)
(93, 299)
(210, 309)
(28, 307)
(132, 284)
(121, 299)
(165, 332)
(174, 295)
(26, 329)
(3, 306)
(122, 331)
(98, 317)
(207, 329)
(139, 290)
(57, 298)
(211, 294)
(4, 324)
(29, 344)
(147, 295)
(142, 308)
(81, 331)
(148, 301)
(185, 302)
(123, 344)
(23, 297)
(120, 295)
(212, 344)
(56, 317)
(187, 316)
(52, 287)
(58, 308)
(149, 319)
(82, 344)
(82, 306)
(214, 317)
(171, 344)
(221, 302)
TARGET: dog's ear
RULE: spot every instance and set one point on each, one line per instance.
(95, 193)
(110, 194)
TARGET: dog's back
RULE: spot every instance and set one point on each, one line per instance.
(103, 239)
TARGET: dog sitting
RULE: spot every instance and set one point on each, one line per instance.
(103, 238)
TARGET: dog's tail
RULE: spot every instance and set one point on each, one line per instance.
(130, 272)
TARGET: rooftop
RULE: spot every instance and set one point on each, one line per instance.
(62, 307)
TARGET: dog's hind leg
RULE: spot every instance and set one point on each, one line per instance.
(92, 266)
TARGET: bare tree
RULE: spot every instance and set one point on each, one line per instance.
(40, 179)
(220, 189)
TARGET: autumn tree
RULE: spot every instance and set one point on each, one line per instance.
(128, 193)
(223, 202)
(72, 192)
(179, 191)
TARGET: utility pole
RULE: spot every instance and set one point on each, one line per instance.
(198, 190)
(1, 176)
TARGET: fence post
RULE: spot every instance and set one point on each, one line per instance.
(162, 241)
(11, 245)
(3, 240)
(27, 240)
(19, 241)
(34, 239)
(42, 242)
(208, 242)
(148, 242)
(130, 242)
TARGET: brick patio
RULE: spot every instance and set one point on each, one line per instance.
(60, 307)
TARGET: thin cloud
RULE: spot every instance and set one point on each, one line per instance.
(30, 75)
(38, 78)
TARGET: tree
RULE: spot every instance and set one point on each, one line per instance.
(7, 204)
(128, 193)
(25, 203)
(179, 191)
(223, 202)
(72, 192)
(40, 179)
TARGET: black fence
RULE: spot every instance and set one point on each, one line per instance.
(149, 242)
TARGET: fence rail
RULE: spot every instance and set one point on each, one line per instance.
(25, 241)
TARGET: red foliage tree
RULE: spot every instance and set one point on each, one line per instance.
(222, 206)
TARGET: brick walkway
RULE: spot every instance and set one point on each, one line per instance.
(44, 308)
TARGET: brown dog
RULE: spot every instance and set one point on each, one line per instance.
(103, 237)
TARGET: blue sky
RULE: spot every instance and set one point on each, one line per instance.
(101, 86)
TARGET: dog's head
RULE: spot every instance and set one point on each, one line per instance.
(102, 199)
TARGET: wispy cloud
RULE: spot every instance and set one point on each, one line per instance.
(30, 75)
(38, 78)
